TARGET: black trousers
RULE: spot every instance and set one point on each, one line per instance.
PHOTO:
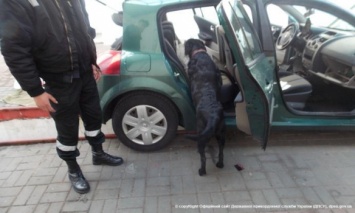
(78, 98)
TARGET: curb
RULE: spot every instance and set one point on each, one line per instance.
(44, 140)
(22, 113)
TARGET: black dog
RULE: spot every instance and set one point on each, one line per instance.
(205, 83)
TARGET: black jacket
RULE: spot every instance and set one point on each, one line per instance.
(37, 40)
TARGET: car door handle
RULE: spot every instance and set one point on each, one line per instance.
(176, 74)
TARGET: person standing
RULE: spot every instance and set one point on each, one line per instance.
(53, 40)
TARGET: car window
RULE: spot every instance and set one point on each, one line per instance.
(248, 11)
(209, 13)
(243, 31)
(186, 28)
(277, 16)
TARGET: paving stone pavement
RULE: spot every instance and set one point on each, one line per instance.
(6, 82)
(298, 172)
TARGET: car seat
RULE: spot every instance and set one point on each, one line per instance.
(296, 90)
(169, 40)
(229, 88)
(169, 33)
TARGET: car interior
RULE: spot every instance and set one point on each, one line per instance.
(314, 64)
(319, 56)
(217, 48)
(213, 35)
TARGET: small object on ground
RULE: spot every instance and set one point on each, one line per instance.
(239, 167)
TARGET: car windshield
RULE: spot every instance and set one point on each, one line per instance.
(323, 19)
(280, 15)
(338, 23)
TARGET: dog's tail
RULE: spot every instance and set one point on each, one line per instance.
(209, 130)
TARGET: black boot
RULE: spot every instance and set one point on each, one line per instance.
(76, 177)
(102, 158)
(99, 157)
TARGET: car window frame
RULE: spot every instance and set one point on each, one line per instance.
(247, 50)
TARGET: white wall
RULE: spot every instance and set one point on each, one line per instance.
(100, 19)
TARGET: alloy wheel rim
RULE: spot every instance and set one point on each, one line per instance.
(144, 124)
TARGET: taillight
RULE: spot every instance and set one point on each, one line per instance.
(110, 62)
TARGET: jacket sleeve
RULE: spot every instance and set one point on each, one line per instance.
(17, 31)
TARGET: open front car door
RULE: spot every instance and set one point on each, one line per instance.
(253, 71)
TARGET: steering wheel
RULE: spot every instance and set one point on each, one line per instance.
(287, 36)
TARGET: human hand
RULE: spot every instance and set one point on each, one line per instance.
(97, 72)
(44, 100)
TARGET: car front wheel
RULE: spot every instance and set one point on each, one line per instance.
(145, 121)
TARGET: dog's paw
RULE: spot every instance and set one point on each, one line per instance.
(220, 165)
(201, 172)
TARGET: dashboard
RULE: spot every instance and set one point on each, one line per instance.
(331, 56)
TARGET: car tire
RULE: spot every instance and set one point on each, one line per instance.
(145, 121)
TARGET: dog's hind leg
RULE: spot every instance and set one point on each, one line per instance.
(201, 150)
(220, 163)
(221, 138)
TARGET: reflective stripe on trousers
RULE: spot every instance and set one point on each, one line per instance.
(64, 147)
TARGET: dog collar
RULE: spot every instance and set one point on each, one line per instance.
(197, 51)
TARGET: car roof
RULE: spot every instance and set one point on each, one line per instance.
(166, 2)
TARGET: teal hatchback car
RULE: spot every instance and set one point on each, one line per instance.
(285, 64)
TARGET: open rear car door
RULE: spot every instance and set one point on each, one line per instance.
(254, 74)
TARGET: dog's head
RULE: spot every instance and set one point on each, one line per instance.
(192, 45)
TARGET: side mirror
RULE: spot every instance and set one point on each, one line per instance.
(117, 18)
